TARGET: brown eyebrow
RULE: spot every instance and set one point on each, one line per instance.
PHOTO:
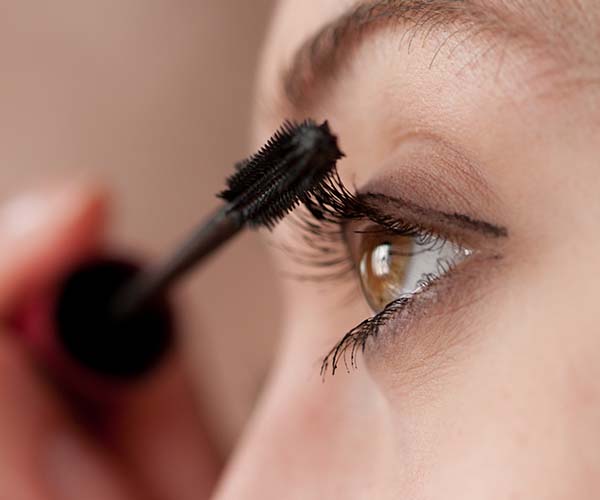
(322, 57)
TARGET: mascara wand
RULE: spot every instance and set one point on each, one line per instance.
(298, 159)
(106, 322)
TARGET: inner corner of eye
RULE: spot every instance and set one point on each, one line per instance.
(392, 266)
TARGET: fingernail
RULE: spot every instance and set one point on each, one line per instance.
(75, 470)
(29, 213)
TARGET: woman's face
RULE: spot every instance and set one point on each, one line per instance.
(475, 127)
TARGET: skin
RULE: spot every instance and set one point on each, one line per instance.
(489, 391)
(494, 393)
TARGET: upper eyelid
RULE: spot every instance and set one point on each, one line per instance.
(458, 229)
(456, 220)
(331, 210)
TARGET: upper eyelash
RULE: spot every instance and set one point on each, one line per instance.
(321, 229)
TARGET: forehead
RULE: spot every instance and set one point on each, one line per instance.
(568, 27)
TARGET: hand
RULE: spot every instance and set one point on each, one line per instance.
(153, 446)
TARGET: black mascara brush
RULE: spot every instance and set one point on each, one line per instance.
(265, 188)
(107, 319)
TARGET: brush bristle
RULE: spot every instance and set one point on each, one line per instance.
(293, 163)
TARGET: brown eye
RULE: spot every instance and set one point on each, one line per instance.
(383, 266)
(392, 266)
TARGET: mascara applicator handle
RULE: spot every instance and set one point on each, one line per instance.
(149, 284)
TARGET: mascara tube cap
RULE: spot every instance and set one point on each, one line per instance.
(69, 330)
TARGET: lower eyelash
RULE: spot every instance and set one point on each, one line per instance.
(355, 340)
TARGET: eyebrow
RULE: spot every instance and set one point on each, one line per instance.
(321, 57)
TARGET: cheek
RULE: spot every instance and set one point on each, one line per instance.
(517, 405)
(327, 439)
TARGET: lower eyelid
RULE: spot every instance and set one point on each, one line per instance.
(418, 327)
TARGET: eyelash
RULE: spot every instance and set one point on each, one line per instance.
(322, 231)
(329, 209)
(357, 338)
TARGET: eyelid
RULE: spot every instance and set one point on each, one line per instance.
(432, 227)
(433, 175)
(388, 208)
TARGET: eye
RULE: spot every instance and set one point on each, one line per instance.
(391, 266)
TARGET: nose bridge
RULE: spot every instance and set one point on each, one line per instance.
(307, 440)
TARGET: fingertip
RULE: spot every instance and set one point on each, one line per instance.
(32, 214)
(44, 232)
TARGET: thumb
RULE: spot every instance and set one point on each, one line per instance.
(43, 232)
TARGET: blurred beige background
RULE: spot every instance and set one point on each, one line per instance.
(153, 97)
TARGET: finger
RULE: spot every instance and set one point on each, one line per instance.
(43, 454)
(42, 233)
